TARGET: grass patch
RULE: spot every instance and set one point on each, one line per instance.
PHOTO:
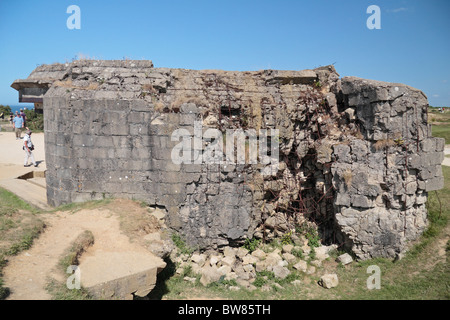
(59, 290)
(81, 243)
(441, 123)
(181, 244)
(441, 131)
(19, 226)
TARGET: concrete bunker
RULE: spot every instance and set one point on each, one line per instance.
(356, 157)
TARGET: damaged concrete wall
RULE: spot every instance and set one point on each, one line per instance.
(356, 157)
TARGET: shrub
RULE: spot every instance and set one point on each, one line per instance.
(34, 121)
(251, 244)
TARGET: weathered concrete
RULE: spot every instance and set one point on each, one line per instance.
(120, 274)
(356, 156)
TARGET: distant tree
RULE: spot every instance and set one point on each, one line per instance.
(35, 121)
(6, 110)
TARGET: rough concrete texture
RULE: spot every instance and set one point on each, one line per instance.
(356, 157)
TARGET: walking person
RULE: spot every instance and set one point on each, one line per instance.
(28, 147)
(24, 117)
(18, 125)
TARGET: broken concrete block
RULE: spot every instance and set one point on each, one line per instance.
(329, 280)
(345, 258)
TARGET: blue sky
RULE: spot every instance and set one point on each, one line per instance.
(412, 46)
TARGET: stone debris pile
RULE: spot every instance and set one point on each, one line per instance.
(241, 267)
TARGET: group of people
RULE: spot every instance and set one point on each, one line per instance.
(19, 123)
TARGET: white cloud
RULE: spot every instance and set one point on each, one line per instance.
(396, 10)
(435, 96)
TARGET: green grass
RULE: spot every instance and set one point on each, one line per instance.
(19, 226)
(441, 131)
(11, 202)
(60, 291)
(441, 123)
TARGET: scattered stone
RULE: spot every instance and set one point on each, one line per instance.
(262, 266)
(321, 253)
(282, 263)
(213, 260)
(161, 248)
(199, 259)
(306, 249)
(287, 248)
(345, 258)
(248, 268)
(311, 270)
(241, 252)
(209, 275)
(190, 279)
(258, 253)
(301, 266)
(228, 260)
(290, 258)
(231, 276)
(329, 280)
(273, 258)
(229, 252)
(350, 113)
(242, 274)
(234, 288)
(249, 259)
(224, 270)
(281, 272)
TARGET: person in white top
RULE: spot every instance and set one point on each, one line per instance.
(28, 147)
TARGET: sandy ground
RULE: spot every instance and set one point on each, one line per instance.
(111, 256)
(12, 156)
(28, 273)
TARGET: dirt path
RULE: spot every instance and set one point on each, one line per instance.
(28, 273)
